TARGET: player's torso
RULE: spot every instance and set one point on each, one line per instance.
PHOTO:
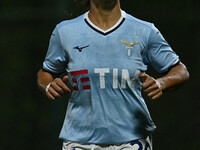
(103, 70)
(113, 56)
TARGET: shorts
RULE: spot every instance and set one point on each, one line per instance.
(142, 144)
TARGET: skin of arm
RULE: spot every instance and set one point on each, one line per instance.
(154, 88)
(57, 86)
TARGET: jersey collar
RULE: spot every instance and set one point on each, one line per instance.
(105, 32)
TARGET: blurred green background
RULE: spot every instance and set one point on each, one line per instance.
(29, 121)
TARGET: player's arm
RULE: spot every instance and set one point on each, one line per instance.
(51, 85)
(171, 81)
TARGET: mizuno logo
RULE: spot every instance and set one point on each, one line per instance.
(80, 48)
(129, 44)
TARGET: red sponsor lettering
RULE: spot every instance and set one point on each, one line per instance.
(75, 80)
(80, 72)
(86, 87)
(85, 79)
(76, 88)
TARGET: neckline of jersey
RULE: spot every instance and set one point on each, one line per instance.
(108, 31)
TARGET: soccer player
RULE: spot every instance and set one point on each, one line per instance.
(105, 53)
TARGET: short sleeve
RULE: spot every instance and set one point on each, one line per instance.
(158, 52)
(55, 60)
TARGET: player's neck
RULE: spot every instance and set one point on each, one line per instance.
(104, 18)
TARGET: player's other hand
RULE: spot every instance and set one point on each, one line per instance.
(58, 88)
(151, 86)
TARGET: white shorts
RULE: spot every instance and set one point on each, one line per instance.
(142, 144)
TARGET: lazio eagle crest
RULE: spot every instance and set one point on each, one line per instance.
(129, 47)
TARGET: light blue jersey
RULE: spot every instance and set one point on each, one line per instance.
(106, 105)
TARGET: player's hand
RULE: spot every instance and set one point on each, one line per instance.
(57, 88)
(151, 86)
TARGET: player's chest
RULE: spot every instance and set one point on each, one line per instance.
(101, 51)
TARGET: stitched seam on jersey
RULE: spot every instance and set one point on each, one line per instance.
(145, 23)
(62, 47)
(145, 50)
(61, 43)
(69, 22)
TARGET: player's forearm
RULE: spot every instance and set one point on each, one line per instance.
(175, 78)
(44, 78)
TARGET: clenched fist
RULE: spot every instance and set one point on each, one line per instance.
(57, 88)
(151, 86)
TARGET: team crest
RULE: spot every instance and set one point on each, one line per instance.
(129, 47)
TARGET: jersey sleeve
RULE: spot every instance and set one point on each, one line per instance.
(158, 52)
(55, 60)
